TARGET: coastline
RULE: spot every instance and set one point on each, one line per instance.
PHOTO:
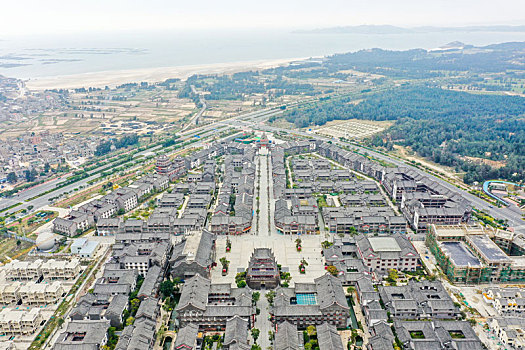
(151, 75)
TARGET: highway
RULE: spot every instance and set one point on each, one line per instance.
(37, 203)
(254, 120)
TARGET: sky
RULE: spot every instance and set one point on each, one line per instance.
(31, 17)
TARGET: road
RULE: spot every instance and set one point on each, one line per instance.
(263, 227)
(195, 119)
(262, 322)
(37, 203)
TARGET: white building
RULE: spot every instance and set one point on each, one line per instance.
(84, 248)
(19, 322)
(60, 269)
(43, 293)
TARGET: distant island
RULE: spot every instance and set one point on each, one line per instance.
(390, 29)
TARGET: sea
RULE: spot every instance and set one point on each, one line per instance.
(36, 56)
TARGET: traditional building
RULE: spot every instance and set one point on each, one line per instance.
(262, 270)
(312, 303)
(387, 252)
(210, 306)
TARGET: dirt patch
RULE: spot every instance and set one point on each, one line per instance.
(352, 128)
(496, 164)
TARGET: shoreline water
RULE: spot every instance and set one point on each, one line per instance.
(150, 75)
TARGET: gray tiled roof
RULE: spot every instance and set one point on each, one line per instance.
(236, 331)
(328, 337)
(195, 293)
(286, 337)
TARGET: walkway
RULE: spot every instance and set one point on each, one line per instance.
(262, 322)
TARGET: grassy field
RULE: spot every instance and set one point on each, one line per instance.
(10, 249)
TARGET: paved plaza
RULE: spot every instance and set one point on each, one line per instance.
(265, 236)
(285, 253)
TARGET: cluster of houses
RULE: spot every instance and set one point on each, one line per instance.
(208, 307)
(509, 324)
(119, 201)
(422, 200)
(359, 205)
(363, 259)
(422, 314)
(233, 214)
(295, 213)
(42, 152)
(30, 286)
(136, 267)
(167, 218)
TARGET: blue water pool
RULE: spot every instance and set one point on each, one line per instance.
(306, 299)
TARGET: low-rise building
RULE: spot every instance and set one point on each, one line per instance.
(188, 338)
(60, 269)
(84, 247)
(383, 253)
(509, 330)
(33, 293)
(287, 337)
(116, 281)
(194, 255)
(50, 270)
(507, 301)
(15, 322)
(468, 255)
(100, 307)
(210, 306)
(262, 270)
(236, 334)
(89, 335)
(418, 300)
(74, 223)
(23, 270)
(437, 335)
(328, 338)
(9, 293)
(312, 303)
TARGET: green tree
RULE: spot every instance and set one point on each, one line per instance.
(255, 297)
(166, 288)
(332, 270)
(135, 303)
(11, 177)
(326, 244)
(270, 296)
(392, 275)
(311, 330)
(241, 284)
(224, 262)
(130, 320)
(255, 334)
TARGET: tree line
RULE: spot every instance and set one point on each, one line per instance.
(444, 126)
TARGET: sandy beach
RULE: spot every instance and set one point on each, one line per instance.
(113, 78)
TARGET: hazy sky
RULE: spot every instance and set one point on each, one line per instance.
(73, 16)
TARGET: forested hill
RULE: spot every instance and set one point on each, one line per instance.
(420, 63)
(442, 125)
